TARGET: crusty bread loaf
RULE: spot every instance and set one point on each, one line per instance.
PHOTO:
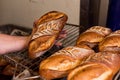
(63, 61)
(93, 36)
(111, 42)
(45, 32)
(101, 66)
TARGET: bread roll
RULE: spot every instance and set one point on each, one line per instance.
(101, 66)
(9, 70)
(62, 62)
(45, 32)
(93, 36)
(111, 42)
(3, 62)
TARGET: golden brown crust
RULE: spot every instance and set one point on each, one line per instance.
(101, 66)
(100, 29)
(107, 58)
(90, 37)
(52, 74)
(93, 36)
(89, 72)
(111, 42)
(45, 32)
(60, 63)
(83, 46)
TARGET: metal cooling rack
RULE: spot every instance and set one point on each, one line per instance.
(23, 62)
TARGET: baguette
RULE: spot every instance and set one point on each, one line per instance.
(93, 36)
(101, 66)
(45, 32)
(62, 62)
(111, 42)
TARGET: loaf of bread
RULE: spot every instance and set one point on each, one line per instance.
(45, 32)
(63, 61)
(93, 36)
(101, 66)
(111, 42)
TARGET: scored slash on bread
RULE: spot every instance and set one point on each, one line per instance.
(45, 32)
(93, 36)
(101, 66)
(111, 42)
(63, 61)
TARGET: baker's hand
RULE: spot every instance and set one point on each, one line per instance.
(62, 35)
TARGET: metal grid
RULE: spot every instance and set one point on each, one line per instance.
(72, 35)
(23, 62)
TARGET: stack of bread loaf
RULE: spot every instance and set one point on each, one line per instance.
(104, 64)
(95, 56)
(82, 61)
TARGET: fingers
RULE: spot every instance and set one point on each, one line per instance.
(58, 44)
(63, 34)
